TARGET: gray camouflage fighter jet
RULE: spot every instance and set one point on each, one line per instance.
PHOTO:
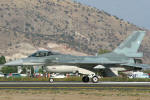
(124, 57)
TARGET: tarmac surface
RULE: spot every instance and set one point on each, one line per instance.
(73, 85)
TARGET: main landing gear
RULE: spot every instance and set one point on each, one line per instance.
(85, 79)
(94, 79)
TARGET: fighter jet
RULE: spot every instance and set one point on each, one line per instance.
(124, 57)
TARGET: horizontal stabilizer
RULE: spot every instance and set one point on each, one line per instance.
(135, 55)
(142, 66)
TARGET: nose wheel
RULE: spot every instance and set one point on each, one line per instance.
(51, 80)
(95, 79)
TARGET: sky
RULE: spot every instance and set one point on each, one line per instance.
(134, 11)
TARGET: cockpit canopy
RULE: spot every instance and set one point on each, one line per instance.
(43, 53)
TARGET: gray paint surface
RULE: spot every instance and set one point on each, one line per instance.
(119, 57)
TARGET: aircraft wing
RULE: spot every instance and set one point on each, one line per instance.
(24, 62)
(87, 62)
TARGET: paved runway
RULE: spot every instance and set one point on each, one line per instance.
(74, 85)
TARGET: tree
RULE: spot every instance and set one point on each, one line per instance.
(41, 70)
(2, 60)
(32, 70)
(24, 70)
(7, 69)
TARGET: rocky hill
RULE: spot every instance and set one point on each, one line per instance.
(61, 25)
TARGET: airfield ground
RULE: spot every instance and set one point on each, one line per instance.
(76, 94)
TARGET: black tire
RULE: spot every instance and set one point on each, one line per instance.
(51, 80)
(95, 79)
(86, 79)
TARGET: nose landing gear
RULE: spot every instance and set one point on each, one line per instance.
(51, 80)
(95, 79)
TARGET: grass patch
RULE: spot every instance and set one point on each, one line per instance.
(75, 79)
(120, 79)
(23, 79)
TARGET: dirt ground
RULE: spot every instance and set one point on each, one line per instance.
(74, 95)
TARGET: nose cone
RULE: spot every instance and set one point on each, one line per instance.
(14, 63)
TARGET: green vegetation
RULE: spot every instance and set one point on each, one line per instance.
(23, 70)
(76, 79)
(41, 71)
(40, 79)
(102, 51)
(7, 69)
(120, 79)
(23, 79)
(2, 60)
(69, 79)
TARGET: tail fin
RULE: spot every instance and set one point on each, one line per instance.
(130, 46)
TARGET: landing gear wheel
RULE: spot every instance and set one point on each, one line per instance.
(95, 79)
(51, 80)
(85, 79)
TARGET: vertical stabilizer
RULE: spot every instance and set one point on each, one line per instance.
(131, 45)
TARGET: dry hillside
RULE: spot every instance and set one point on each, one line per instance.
(62, 25)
